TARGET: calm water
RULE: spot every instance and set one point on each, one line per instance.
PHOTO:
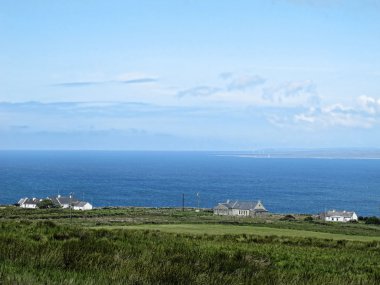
(159, 179)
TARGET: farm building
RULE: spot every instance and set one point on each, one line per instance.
(59, 201)
(30, 203)
(339, 216)
(240, 208)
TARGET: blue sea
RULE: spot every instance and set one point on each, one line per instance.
(158, 179)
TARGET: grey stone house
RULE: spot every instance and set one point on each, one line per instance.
(241, 208)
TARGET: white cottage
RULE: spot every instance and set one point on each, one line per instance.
(339, 216)
(63, 201)
(59, 201)
(29, 203)
(240, 208)
(82, 206)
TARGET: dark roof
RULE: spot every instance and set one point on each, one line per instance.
(79, 204)
(62, 200)
(335, 213)
(32, 201)
(240, 205)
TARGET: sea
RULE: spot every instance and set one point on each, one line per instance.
(285, 184)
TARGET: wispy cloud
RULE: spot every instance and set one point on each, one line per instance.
(302, 92)
(230, 82)
(199, 91)
(243, 82)
(138, 80)
(79, 83)
(99, 109)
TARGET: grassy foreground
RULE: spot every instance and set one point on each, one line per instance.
(182, 248)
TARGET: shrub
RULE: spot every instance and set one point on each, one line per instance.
(308, 219)
(288, 218)
(372, 221)
(46, 204)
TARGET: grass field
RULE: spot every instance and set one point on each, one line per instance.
(169, 246)
(239, 230)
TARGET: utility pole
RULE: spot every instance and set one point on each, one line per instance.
(198, 201)
(71, 208)
(183, 202)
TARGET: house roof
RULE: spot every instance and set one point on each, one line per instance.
(80, 204)
(31, 201)
(22, 201)
(62, 200)
(335, 213)
(240, 205)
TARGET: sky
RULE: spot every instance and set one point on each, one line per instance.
(189, 75)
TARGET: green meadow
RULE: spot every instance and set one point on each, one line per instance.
(168, 246)
(211, 229)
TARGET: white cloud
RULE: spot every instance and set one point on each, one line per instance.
(369, 104)
(336, 115)
(304, 118)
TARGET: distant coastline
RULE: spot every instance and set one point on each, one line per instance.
(310, 154)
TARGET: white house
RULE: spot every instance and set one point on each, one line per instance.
(240, 208)
(339, 216)
(63, 201)
(82, 206)
(29, 203)
(59, 201)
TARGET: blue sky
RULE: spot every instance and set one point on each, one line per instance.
(189, 75)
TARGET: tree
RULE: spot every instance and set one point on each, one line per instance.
(46, 204)
(372, 221)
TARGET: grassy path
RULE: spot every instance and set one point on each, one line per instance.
(232, 229)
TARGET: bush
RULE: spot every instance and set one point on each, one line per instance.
(46, 204)
(372, 221)
(308, 219)
(288, 218)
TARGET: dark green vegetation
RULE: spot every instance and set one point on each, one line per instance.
(107, 246)
(372, 221)
(47, 204)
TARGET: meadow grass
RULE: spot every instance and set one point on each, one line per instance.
(46, 253)
(138, 216)
(168, 246)
(212, 229)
